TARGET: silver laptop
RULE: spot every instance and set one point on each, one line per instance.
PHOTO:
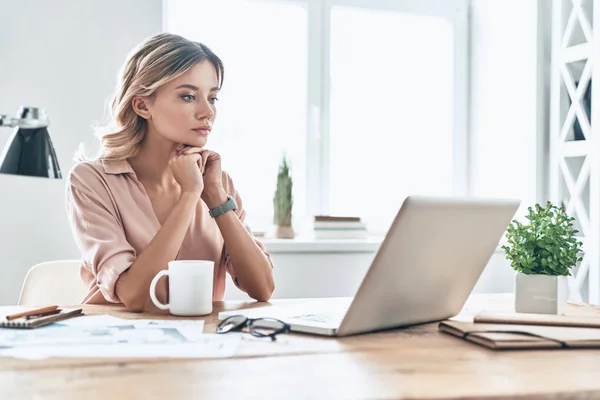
(431, 258)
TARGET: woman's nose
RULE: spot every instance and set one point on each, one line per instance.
(204, 110)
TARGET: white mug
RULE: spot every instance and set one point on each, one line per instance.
(190, 287)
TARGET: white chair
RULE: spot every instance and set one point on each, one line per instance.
(53, 282)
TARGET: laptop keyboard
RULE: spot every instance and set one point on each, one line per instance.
(321, 317)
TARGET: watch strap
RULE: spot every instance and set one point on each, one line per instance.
(229, 205)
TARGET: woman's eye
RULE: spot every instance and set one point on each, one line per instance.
(188, 97)
(213, 100)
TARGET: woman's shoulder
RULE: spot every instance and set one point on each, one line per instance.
(85, 170)
(87, 176)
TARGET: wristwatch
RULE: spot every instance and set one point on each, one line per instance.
(229, 205)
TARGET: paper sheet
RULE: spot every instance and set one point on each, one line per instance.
(170, 323)
(107, 320)
(95, 320)
(210, 346)
(108, 337)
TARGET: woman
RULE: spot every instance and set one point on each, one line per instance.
(145, 199)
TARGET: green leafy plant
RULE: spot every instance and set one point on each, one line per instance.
(282, 200)
(546, 245)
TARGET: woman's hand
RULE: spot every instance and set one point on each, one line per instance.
(186, 172)
(209, 164)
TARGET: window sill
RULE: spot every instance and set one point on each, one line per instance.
(312, 245)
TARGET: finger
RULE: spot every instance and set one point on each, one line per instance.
(193, 157)
(210, 156)
(190, 150)
(196, 157)
(199, 163)
(205, 154)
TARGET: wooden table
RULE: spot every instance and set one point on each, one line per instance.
(418, 362)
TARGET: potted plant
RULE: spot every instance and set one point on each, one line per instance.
(282, 202)
(542, 252)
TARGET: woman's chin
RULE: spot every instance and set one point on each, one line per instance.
(195, 142)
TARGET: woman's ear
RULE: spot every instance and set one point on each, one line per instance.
(140, 106)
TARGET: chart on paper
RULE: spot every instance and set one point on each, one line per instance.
(109, 337)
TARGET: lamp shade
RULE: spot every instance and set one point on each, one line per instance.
(29, 150)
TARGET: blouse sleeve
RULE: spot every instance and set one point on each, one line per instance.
(98, 230)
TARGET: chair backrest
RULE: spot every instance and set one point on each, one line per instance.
(53, 282)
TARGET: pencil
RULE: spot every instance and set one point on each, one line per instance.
(31, 312)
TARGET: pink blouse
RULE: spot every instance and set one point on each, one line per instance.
(113, 220)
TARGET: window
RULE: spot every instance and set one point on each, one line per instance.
(367, 98)
(261, 113)
(390, 125)
(504, 125)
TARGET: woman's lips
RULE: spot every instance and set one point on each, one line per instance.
(202, 131)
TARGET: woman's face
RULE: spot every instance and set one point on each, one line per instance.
(183, 110)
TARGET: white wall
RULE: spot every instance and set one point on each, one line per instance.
(61, 55)
(318, 274)
(330, 274)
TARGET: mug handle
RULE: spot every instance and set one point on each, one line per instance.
(157, 303)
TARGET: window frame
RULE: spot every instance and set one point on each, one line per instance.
(318, 139)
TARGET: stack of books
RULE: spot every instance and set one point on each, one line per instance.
(331, 227)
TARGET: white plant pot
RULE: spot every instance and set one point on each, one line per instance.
(283, 232)
(541, 294)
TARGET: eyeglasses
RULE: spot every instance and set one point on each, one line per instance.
(259, 327)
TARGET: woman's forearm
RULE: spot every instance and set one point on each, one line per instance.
(133, 285)
(252, 268)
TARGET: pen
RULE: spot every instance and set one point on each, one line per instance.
(31, 312)
(44, 314)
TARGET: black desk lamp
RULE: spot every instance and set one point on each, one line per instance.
(29, 150)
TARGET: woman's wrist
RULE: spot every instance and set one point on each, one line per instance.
(214, 197)
(190, 197)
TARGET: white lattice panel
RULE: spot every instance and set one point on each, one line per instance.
(574, 132)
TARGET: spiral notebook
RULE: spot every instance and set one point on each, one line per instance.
(24, 323)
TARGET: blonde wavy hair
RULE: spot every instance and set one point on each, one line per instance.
(156, 61)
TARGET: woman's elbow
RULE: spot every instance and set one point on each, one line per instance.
(135, 304)
(132, 300)
(137, 307)
(265, 292)
(262, 296)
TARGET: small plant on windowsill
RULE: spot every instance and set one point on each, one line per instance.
(542, 252)
(283, 202)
